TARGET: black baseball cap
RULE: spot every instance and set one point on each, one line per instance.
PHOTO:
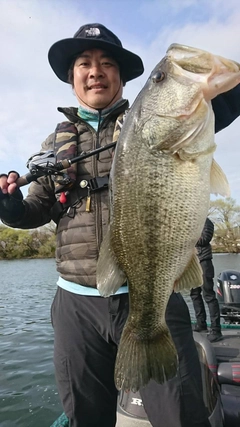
(91, 36)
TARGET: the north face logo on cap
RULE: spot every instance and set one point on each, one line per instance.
(93, 32)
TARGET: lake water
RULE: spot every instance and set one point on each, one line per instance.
(28, 395)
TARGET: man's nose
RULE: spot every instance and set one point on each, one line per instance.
(96, 70)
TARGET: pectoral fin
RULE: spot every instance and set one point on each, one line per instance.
(191, 277)
(109, 275)
(218, 181)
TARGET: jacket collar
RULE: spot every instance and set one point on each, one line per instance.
(71, 112)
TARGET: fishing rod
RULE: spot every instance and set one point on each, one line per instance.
(44, 163)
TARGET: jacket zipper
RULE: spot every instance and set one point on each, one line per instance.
(96, 144)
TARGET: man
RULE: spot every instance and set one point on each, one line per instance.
(87, 327)
(204, 250)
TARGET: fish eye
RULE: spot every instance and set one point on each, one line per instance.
(158, 76)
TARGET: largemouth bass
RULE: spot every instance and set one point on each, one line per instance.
(162, 175)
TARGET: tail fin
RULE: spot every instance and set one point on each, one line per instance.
(140, 360)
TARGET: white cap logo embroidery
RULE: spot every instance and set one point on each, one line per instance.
(93, 32)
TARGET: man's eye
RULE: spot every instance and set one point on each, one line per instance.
(107, 64)
(81, 63)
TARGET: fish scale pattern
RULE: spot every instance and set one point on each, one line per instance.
(161, 178)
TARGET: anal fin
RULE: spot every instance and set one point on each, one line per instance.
(192, 276)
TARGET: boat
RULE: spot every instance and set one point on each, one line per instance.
(220, 367)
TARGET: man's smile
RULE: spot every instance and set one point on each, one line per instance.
(97, 86)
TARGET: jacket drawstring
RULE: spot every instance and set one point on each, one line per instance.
(98, 130)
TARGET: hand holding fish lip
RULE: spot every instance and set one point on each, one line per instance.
(157, 216)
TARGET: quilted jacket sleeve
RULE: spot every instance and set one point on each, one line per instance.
(40, 199)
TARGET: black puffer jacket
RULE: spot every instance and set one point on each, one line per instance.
(203, 245)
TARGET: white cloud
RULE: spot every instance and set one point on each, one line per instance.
(219, 36)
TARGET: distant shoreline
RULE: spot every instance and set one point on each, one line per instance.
(53, 257)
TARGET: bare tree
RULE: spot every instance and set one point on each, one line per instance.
(225, 214)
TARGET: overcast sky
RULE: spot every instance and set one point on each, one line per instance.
(30, 91)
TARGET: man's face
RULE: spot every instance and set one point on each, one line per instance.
(96, 79)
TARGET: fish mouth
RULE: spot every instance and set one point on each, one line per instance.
(198, 60)
(214, 73)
